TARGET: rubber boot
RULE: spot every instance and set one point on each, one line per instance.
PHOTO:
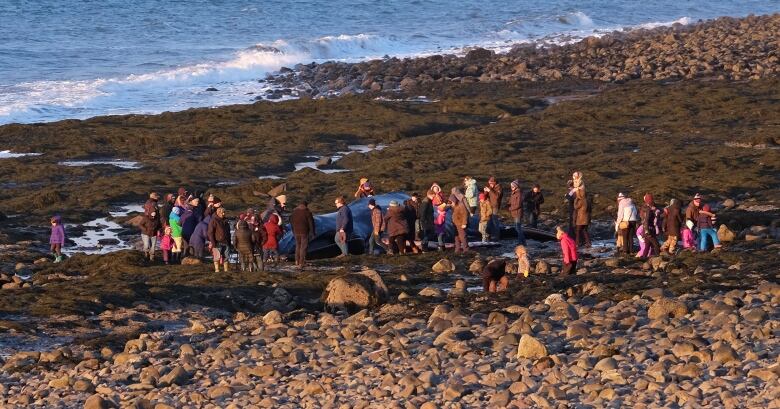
(226, 266)
(216, 267)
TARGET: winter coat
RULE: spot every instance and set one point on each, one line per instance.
(472, 193)
(273, 233)
(150, 226)
(166, 242)
(496, 195)
(218, 231)
(150, 207)
(189, 220)
(581, 211)
(57, 234)
(626, 211)
(440, 222)
(165, 212)
(174, 220)
(485, 210)
(426, 214)
(344, 219)
(411, 208)
(692, 213)
(535, 200)
(377, 219)
(516, 204)
(200, 234)
(673, 220)
(395, 222)
(705, 221)
(302, 221)
(242, 239)
(438, 197)
(648, 216)
(259, 235)
(460, 215)
(568, 249)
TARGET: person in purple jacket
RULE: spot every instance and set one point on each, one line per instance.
(57, 238)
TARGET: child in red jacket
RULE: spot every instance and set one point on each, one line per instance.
(569, 250)
(273, 234)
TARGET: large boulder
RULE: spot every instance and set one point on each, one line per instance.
(666, 307)
(725, 234)
(443, 266)
(531, 348)
(355, 291)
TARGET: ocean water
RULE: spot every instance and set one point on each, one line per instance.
(77, 59)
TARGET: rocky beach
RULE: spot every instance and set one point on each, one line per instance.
(672, 110)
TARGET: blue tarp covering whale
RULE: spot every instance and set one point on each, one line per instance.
(323, 245)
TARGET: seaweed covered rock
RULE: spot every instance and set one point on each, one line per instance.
(354, 291)
(725, 234)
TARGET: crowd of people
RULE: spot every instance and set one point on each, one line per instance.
(187, 224)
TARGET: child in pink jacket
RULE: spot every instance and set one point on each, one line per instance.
(167, 244)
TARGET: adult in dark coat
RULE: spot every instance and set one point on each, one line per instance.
(534, 199)
(673, 222)
(344, 225)
(648, 215)
(581, 216)
(495, 195)
(150, 226)
(516, 210)
(219, 239)
(245, 245)
(425, 215)
(302, 221)
(411, 210)
(199, 237)
(396, 227)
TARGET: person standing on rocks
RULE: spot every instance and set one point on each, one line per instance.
(440, 223)
(495, 194)
(258, 237)
(692, 214)
(189, 220)
(568, 201)
(427, 228)
(302, 222)
(364, 189)
(57, 238)
(460, 218)
(175, 222)
(411, 212)
(568, 250)
(516, 210)
(397, 228)
(673, 221)
(343, 226)
(581, 214)
(219, 240)
(438, 195)
(273, 235)
(242, 240)
(626, 222)
(535, 199)
(377, 224)
(150, 227)
(472, 194)
(485, 211)
(707, 231)
(199, 237)
(165, 210)
(151, 204)
(649, 216)
(167, 244)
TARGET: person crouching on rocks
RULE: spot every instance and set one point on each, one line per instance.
(57, 238)
(242, 240)
(273, 235)
(523, 266)
(494, 276)
(150, 228)
(219, 239)
(568, 250)
(167, 244)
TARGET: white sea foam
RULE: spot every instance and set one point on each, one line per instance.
(122, 164)
(10, 155)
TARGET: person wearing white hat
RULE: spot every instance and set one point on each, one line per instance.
(626, 222)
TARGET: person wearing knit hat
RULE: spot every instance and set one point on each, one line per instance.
(692, 211)
(516, 210)
(649, 215)
(364, 189)
(495, 195)
(151, 204)
(485, 211)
